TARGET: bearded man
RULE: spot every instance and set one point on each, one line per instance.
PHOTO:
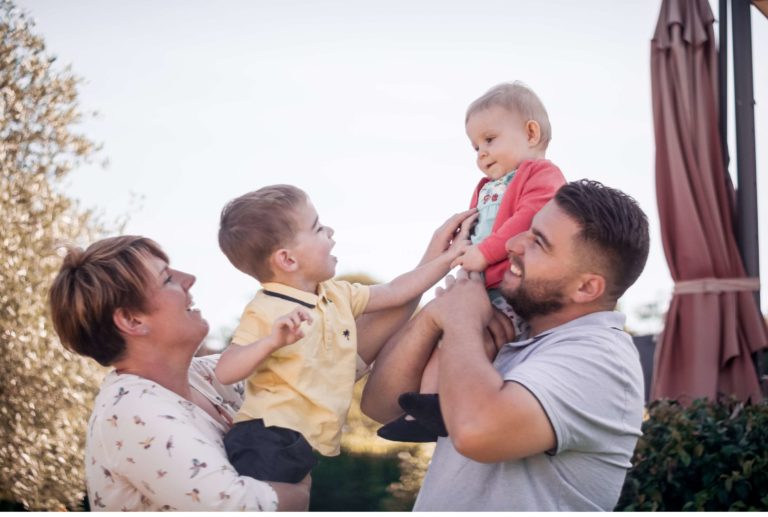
(552, 422)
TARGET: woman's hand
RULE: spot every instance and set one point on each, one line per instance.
(293, 497)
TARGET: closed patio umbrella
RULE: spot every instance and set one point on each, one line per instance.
(713, 324)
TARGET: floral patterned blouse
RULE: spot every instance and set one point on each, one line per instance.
(148, 449)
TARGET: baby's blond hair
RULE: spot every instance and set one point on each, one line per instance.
(517, 98)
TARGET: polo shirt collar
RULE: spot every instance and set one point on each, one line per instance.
(287, 292)
(613, 319)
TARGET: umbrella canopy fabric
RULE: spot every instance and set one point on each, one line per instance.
(713, 324)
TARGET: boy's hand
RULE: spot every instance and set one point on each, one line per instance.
(472, 260)
(286, 330)
(452, 235)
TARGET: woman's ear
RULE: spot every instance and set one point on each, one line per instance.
(129, 324)
(590, 288)
(533, 133)
(282, 260)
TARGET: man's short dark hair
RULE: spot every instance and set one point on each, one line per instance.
(614, 224)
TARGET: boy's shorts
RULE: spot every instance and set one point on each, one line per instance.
(268, 453)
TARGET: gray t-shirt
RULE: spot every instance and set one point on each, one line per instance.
(586, 375)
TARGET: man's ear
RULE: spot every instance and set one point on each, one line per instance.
(533, 133)
(129, 324)
(591, 287)
(283, 260)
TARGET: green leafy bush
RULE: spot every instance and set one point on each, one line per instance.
(707, 456)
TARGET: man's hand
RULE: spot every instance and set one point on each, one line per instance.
(472, 260)
(286, 330)
(463, 301)
(500, 330)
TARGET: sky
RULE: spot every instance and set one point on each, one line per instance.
(360, 104)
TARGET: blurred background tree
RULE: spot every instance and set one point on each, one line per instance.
(45, 392)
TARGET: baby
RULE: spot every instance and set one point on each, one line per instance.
(509, 130)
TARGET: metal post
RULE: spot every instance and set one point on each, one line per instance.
(722, 65)
(746, 163)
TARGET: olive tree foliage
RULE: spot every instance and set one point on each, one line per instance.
(45, 391)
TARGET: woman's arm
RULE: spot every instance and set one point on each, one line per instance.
(292, 497)
(150, 449)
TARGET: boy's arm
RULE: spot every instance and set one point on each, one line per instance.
(375, 328)
(238, 362)
(412, 284)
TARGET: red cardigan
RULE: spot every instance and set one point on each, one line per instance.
(534, 183)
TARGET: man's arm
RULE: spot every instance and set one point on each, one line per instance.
(488, 420)
(398, 368)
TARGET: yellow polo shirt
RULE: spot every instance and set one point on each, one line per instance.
(306, 386)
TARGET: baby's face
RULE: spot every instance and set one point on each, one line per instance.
(501, 141)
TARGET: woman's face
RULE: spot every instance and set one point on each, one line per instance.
(171, 319)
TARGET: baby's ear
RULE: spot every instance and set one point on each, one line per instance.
(282, 260)
(533, 133)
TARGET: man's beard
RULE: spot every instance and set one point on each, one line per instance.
(536, 298)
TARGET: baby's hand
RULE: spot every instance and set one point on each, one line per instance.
(286, 330)
(472, 260)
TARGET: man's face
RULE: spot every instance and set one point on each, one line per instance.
(543, 264)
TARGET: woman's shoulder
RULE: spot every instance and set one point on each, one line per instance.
(127, 396)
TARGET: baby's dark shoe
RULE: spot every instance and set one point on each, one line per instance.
(404, 430)
(425, 407)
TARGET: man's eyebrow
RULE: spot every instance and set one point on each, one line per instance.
(542, 237)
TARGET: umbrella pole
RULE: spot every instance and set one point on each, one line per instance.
(746, 163)
(722, 64)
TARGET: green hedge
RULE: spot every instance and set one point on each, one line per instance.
(707, 456)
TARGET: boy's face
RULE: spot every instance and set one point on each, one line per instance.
(499, 137)
(312, 246)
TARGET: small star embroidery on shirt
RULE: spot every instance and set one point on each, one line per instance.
(194, 494)
(169, 445)
(147, 443)
(346, 334)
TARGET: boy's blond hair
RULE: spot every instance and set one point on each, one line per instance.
(256, 224)
(517, 98)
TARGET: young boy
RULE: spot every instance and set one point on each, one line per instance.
(296, 342)
(509, 130)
